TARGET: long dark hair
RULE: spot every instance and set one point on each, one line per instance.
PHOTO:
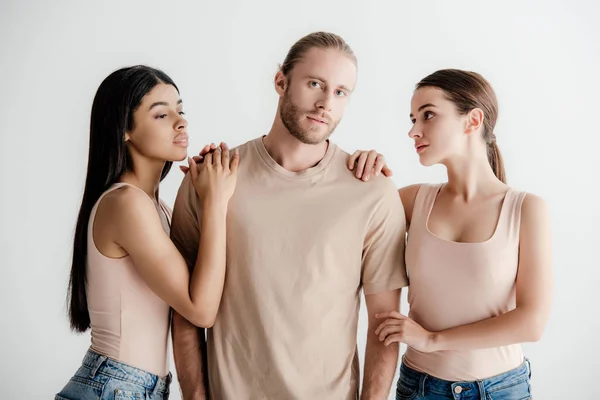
(117, 98)
(469, 90)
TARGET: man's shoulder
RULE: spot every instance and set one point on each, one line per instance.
(244, 148)
(376, 185)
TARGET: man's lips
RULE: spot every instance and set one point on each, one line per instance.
(318, 120)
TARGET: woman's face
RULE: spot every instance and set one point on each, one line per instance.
(438, 130)
(160, 130)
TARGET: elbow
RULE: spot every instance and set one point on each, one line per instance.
(204, 318)
(535, 329)
(206, 323)
(203, 312)
(535, 333)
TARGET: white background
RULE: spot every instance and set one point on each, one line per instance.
(541, 57)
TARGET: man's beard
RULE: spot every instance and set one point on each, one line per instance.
(290, 115)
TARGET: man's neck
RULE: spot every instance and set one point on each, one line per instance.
(292, 154)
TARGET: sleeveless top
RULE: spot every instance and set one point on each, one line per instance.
(459, 283)
(129, 323)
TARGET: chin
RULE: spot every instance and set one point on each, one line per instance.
(318, 136)
(318, 139)
(310, 137)
(426, 162)
(179, 155)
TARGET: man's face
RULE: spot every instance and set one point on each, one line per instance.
(316, 93)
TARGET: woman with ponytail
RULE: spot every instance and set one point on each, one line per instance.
(478, 253)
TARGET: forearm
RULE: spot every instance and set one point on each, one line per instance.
(516, 326)
(206, 284)
(380, 367)
(187, 351)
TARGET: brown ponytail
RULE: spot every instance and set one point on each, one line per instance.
(469, 90)
(496, 161)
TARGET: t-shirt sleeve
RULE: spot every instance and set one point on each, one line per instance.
(383, 266)
(185, 224)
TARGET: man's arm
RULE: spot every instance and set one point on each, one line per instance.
(189, 350)
(380, 360)
(189, 345)
(383, 275)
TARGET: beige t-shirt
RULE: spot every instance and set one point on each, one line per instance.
(300, 246)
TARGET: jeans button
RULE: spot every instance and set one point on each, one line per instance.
(458, 390)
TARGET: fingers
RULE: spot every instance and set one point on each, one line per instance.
(217, 155)
(369, 164)
(184, 169)
(396, 338)
(235, 161)
(193, 168)
(225, 156)
(390, 314)
(380, 164)
(209, 149)
(387, 171)
(390, 330)
(208, 159)
(352, 159)
(360, 165)
(388, 322)
(204, 151)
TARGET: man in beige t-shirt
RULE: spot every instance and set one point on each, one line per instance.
(304, 236)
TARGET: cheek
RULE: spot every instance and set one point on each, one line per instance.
(295, 94)
(437, 130)
(151, 138)
(340, 107)
(305, 103)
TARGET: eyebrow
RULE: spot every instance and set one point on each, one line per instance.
(323, 80)
(422, 107)
(162, 103)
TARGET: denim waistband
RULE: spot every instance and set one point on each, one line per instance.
(427, 383)
(99, 364)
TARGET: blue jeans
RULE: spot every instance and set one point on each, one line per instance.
(511, 385)
(102, 378)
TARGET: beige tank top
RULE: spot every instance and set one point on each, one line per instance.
(454, 284)
(129, 323)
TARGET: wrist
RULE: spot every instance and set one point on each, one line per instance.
(214, 206)
(434, 342)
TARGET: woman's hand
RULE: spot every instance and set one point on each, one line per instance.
(209, 148)
(399, 328)
(368, 164)
(215, 178)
